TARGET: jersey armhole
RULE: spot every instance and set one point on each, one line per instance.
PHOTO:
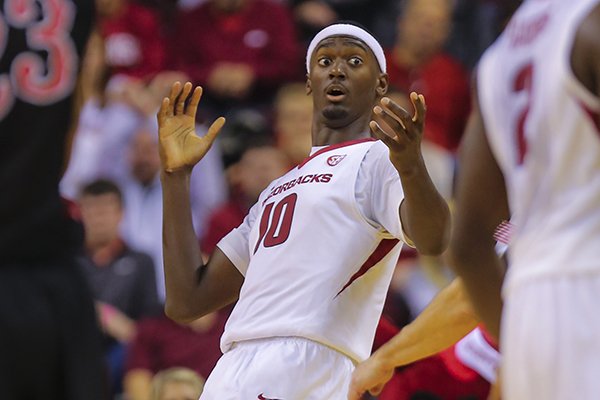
(405, 238)
(233, 255)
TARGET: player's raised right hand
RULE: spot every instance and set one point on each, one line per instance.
(179, 146)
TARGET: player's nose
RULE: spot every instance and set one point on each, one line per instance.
(337, 70)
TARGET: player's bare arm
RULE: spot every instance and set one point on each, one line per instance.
(481, 206)
(447, 319)
(193, 289)
(424, 213)
(585, 56)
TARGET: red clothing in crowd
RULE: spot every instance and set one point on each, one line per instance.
(261, 35)
(161, 343)
(133, 42)
(445, 85)
(220, 223)
(442, 375)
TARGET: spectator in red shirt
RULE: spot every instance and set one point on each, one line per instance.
(236, 49)
(418, 63)
(161, 343)
(133, 38)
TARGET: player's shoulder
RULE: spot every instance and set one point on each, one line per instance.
(377, 152)
(377, 158)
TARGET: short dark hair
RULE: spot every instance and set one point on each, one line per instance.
(100, 187)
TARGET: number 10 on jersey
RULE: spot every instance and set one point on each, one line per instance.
(275, 230)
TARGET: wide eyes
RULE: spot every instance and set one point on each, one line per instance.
(354, 61)
(324, 62)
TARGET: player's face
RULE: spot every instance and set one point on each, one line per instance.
(345, 80)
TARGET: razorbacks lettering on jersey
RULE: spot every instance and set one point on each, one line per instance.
(543, 127)
(318, 250)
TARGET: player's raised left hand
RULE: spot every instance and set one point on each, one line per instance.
(400, 131)
(369, 376)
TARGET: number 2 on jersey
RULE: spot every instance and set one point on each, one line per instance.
(274, 231)
(523, 83)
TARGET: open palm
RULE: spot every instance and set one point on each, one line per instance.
(180, 146)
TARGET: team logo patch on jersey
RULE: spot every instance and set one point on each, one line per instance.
(335, 160)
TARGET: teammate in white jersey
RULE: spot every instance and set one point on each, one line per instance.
(532, 146)
(311, 263)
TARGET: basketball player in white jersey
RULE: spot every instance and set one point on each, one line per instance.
(311, 263)
(532, 146)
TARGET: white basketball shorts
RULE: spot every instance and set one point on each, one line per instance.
(550, 340)
(287, 368)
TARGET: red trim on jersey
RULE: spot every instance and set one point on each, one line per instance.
(488, 337)
(384, 247)
(333, 147)
(594, 115)
(455, 366)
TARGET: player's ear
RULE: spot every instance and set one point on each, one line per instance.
(382, 84)
(308, 85)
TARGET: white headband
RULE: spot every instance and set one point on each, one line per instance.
(347, 30)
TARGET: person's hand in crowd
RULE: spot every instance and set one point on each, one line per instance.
(115, 323)
(231, 80)
(160, 85)
(136, 94)
(241, 78)
(315, 13)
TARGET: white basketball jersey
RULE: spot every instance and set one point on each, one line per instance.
(314, 265)
(543, 127)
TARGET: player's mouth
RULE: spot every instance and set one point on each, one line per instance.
(335, 93)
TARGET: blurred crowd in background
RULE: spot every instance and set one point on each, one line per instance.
(248, 55)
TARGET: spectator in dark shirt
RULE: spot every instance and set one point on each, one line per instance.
(122, 280)
(118, 275)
